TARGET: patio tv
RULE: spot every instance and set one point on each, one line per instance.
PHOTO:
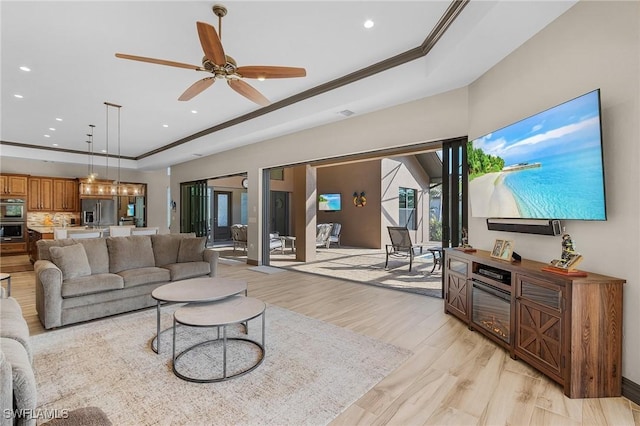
(547, 166)
(329, 202)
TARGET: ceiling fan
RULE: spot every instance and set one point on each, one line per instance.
(223, 66)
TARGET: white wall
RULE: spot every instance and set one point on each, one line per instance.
(402, 172)
(593, 45)
(435, 118)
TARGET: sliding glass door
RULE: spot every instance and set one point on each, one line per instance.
(454, 191)
(195, 214)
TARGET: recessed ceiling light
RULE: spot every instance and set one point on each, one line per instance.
(193, 111)
(165, 125)
(47, 136)
(368, 23)
(104, 150)
(346, 112)
(18, 96)
(261, 78)
(58, 119)
(23, 68)
(52, 129)
(54, 144)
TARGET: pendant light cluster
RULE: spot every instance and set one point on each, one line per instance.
(108, 187)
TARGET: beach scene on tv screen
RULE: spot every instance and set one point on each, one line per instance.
(329, 202)
(548, 166)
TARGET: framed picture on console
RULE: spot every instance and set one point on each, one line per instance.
(497, 249)
(507, 250)
(502, 249)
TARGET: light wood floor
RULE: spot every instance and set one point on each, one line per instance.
(455, 376)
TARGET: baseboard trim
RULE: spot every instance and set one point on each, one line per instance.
(252, 262)
(631, 390)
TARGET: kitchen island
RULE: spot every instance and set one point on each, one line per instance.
(44, 232)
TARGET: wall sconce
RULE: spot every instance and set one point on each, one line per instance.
(359, 200)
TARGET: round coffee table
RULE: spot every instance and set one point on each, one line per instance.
(233, 310)
(194, 290)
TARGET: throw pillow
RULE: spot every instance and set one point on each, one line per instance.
(129, 253)
(191, 249)
(165, 248)
(72, 261)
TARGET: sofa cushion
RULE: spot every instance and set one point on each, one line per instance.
(92, 284)
(129, 253)
(25, 394)
(72, 261)
(191, 249)
(165, 248)
(140, 276)
(181, 271)
(96, 249)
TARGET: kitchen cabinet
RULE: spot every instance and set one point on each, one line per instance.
(13, 248)
(40, 194)
(568, 327)
(13, 185)
(33, 237)
(65, 195)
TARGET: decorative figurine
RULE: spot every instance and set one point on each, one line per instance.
(570, 257)
(568, 248)
(465, 238)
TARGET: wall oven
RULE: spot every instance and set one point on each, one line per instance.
(12, 232)
(12, 210)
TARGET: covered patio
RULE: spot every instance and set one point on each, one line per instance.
(360, 265)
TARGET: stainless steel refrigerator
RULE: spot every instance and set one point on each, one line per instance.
(99, 212)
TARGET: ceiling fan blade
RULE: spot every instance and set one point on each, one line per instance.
(256, 71)
(159, 61)
(196, 88)
(211, 44)
(248, 92)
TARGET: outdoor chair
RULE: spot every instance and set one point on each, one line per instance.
(401, 245)
(334, 237)
(275, 242)
(323, 232)
(239, 236)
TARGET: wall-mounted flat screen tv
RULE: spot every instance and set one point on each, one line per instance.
(131, 209)
(547, 166)
(329, 202)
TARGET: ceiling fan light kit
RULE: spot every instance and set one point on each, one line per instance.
(223, 66)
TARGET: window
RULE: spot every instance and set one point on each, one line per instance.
(407, 208)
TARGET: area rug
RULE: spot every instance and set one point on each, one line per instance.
(311, 372)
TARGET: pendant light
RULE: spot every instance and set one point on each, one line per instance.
(91, 174)
(118, 187)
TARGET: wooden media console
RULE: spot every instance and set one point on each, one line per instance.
(567, 327)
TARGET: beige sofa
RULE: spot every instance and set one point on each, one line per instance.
(84, 279)
(18, 394)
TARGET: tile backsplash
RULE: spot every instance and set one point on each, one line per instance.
(52, 219)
